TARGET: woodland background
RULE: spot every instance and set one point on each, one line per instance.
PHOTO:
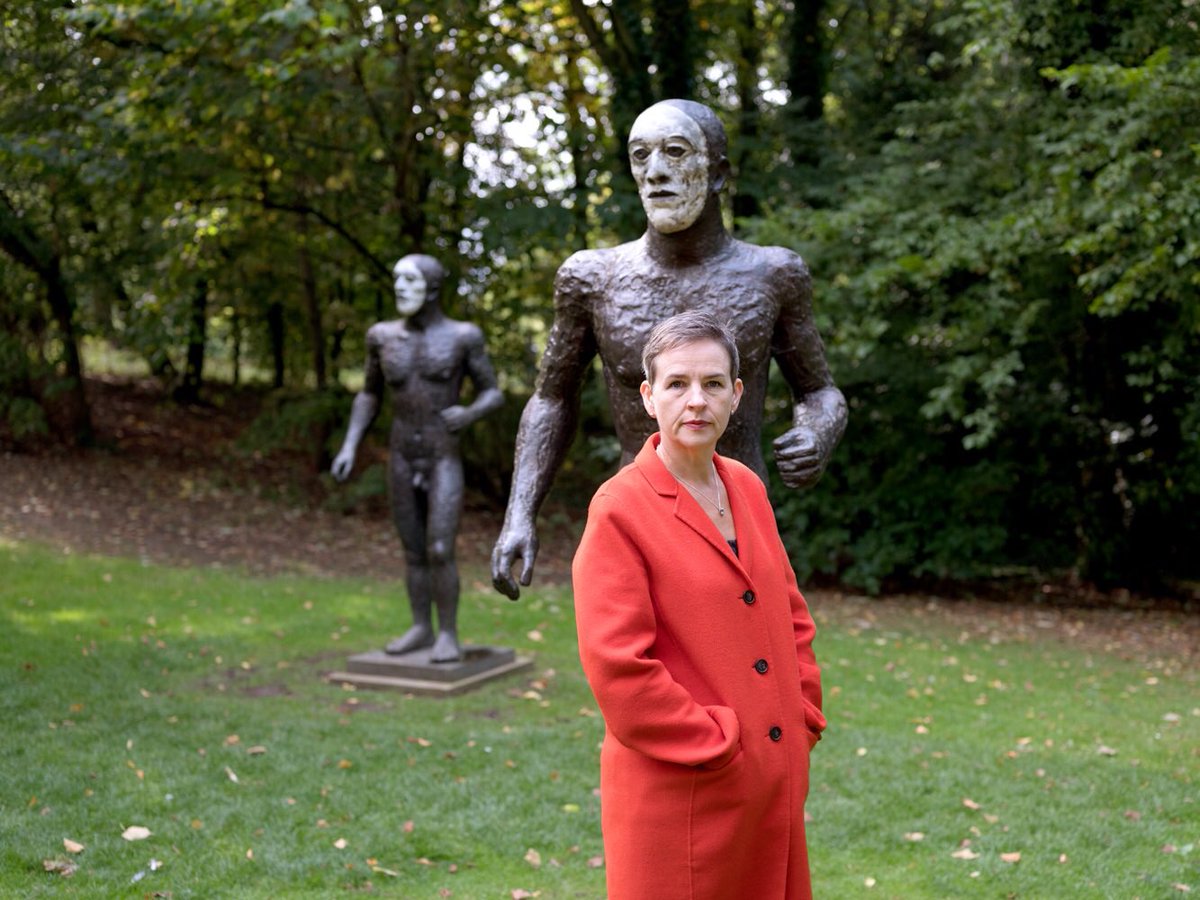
(999, 201)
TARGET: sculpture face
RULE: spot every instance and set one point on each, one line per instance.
(410, 288)
(669, 158)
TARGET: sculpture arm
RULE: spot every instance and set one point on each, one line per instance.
(479, 369)
(547, 426)
(362, 412)
(819, 410)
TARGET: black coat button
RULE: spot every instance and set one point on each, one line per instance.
(761, 667)
(776, 733)
(748, 597)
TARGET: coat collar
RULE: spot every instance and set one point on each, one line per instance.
(660, 479)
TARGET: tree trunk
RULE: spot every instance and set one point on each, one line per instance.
(193, 372)
(312, 310)
(807, 71)
(236, 329)
(275, 335)
(37, 255)
(576, 140)
(673, 46)
(745, 201)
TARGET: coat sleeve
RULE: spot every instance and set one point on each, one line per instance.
(643, 706)
(804, 629)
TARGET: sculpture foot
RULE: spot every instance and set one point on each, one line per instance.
(416, 638)
(445, 649)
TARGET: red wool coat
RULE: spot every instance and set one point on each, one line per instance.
(702, 665)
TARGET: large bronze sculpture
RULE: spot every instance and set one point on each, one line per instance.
(422, 357)
(607, 301)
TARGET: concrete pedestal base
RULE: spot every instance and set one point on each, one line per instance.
(414, 673)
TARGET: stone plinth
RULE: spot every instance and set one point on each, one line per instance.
(414, 673)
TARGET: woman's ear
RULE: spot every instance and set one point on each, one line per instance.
(647, 400)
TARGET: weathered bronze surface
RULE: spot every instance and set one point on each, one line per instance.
(422, 358)
(607, 301)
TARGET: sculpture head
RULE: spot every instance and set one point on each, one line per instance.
(677, 153)
(417, 279)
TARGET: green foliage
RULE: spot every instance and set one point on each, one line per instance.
(306, 421)
(999, 201)
(1008, 274)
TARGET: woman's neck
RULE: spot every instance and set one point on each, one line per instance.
(696, 467)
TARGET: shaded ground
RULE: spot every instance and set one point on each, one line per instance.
(171, 486)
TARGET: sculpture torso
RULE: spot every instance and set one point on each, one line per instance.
(423, 369)
(623, 292)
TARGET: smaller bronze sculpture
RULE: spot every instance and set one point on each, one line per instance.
(422, 357)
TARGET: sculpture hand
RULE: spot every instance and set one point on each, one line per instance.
(342, 464)
(800, 458)
(456, 418)
(513, 543)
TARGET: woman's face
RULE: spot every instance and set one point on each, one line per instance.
(410, 288)
(693, 395)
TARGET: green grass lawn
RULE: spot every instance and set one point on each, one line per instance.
(192, 703)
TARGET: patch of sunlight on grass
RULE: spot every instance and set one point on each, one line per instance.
(60, 616)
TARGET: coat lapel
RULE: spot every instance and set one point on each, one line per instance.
(688, 511)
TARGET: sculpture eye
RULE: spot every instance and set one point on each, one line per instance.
(640, 154)
(675, 151)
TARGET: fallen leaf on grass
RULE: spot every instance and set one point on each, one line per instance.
(1106, 751)
(232, 775)
(970, 804)
(522, 894)
(136, 833)
(382, 871)
(1183, 888)
(408, 827)
(914, 836)
(965, 853)
(533, 858)
(256, 750)
(63, 867)
(340, 843)
(72, 846)
(1010, 857)
(596, 862)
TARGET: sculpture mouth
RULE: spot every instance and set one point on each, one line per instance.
(661, 195)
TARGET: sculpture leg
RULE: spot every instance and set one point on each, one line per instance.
(445, 511)
(408, 514)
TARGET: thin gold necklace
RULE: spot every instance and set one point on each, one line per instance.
(716, 503)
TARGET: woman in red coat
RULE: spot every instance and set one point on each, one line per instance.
(697, 645)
